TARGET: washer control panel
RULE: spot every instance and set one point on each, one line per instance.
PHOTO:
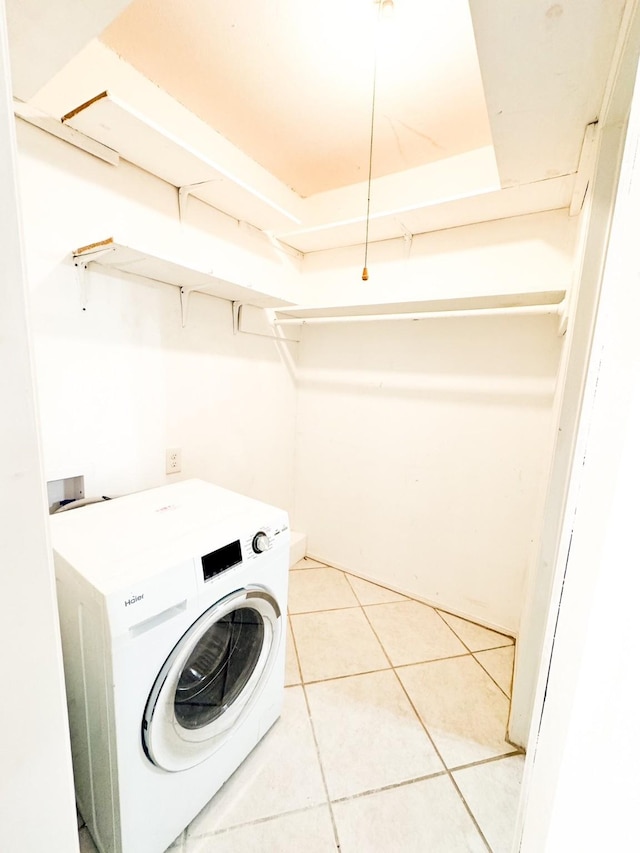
(260, 542)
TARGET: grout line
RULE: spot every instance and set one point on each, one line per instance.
(295, 652)
(322, 773)
(479, 662)
(315, 742)
(376, 636)
(256, 822)
(432, 660)
(447, 771)
(441, 610)
(347, 675)
(491, 760)
(438, 753)
(502, 646)
(477, 651)
(390, 787)
(453, 631)
(324, 610)
(470, 813)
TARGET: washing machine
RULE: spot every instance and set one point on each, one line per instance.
(172, 608)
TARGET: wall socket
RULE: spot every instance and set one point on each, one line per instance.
(173, 460)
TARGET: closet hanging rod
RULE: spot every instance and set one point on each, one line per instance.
(557, 308)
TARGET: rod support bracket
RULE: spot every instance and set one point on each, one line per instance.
(407, 236)
(236, 307)
(185, 295)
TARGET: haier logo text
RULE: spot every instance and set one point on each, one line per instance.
(133, 600)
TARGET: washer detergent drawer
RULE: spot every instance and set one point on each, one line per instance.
(142, 605)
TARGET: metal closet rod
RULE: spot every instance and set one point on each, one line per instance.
(557, 308)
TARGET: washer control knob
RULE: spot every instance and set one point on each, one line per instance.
(260, 542)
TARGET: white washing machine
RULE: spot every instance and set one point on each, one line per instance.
(173, 614)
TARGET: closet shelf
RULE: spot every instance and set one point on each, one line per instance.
(109, 253)
(531, 302)
(182, 150)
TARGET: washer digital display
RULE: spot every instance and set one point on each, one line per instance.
(222, 559)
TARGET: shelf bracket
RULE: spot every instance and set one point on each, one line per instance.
(586, 163)
(81, 273)
(283, 248)
(236, 307)
(563, 317)
(185, 294)
(407, 236)
(183, 196)
(81, 263)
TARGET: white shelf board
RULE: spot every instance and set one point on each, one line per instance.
(550, 194)
(109, 253)
(186, 161)
(465, 303)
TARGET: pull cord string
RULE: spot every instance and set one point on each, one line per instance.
(365, 271)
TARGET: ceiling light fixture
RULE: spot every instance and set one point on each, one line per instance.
(385, 9)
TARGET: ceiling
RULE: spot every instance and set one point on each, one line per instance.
(290, 83)
(263, 109)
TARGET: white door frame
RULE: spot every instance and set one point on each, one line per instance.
(37, 804)
(579, 789)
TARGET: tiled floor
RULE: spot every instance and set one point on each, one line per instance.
(392, 736)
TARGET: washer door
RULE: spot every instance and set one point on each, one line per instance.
(211, 678)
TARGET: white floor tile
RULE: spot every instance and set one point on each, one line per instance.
(492, 792)
(411, 632)
(475, 637)
(282, 774)
(319, 589)
(422, 817)
(368, 734)
(464, 711)
(499, 665)
(371, 593)
(310, 831)
(336, 643)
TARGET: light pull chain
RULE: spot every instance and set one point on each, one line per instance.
(365, 271)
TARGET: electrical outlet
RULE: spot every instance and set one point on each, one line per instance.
(173, 462)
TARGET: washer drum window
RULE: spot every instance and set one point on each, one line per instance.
(211, 678)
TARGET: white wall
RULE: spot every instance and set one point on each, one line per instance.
(420, 447)
(524, 253)
(122, 380)
(37, 810)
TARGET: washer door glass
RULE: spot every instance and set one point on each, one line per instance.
(219, 668)
(212, 678)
